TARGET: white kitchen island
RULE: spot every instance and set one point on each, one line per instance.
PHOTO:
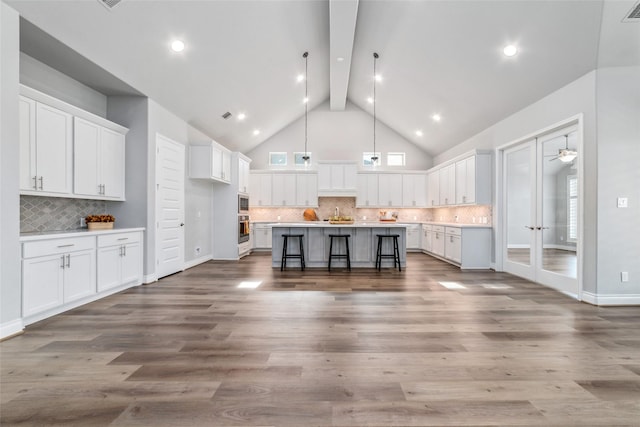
(362, 243)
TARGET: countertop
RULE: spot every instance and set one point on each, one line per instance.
(368, 224)
(42, 235)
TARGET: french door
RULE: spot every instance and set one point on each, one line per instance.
(541, 229)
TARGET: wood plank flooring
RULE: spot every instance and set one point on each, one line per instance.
(428, 346)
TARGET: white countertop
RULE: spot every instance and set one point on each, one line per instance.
(41, 235)
(368, 224)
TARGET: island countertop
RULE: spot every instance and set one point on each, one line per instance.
(327, 224)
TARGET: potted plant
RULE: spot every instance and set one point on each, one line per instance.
(100, 222)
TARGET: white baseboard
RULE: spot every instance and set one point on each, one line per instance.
(11, 328)
(611, 299)
(197, 261)
(518, 246)
(150, 278)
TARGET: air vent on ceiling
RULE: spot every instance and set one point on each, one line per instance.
(109, 4)
(226, 115)
(633, 15)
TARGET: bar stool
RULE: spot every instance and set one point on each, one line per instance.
(285, 255)
(396, 251)
(332, 255)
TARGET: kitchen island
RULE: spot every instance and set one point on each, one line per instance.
(362, 243)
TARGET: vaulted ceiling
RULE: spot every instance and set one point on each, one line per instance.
(441, 57)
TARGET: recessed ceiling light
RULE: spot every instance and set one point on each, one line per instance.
(300, 77)
(510, 50)
(370, 100)
(419, 133)
(378, 78)
(177, 45)
(436, 117)
(256, 132)
(242, 116)
(339, 59)
(305, 100)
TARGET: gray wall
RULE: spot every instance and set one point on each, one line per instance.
(10, 288)
(618, 176)
(39, 76)
(339, 135)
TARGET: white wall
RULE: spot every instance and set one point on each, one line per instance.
(10, 288)
(40, 76)
(618, 176)
(338, 135)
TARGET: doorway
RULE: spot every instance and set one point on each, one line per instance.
(541, 205)
(169, 206)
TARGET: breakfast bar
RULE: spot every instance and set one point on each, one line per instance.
(363, 243)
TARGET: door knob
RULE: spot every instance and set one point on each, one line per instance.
(182, 224)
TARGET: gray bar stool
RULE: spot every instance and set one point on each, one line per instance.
(396, 251)
(285, 255)
(332, 255)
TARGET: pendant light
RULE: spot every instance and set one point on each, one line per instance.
(374, 157)
(306, 106)
(567, 155)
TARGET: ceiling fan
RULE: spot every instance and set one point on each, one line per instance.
(565, 155)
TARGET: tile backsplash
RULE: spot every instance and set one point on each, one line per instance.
(39, 213)
(347, 207)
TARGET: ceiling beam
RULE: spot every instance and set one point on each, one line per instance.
(342, 18)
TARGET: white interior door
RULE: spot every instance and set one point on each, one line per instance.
(169, 206)
(540, 229)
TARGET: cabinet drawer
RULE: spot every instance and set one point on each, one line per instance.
(453, 230)
(427, 227)
(57, 246)
(118, 239)
(439, 228)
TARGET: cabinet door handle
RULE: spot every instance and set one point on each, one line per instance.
(41, 183)
(66, 246)
(123, 238)
(62, 263)
(124, 251)
(529, 227)
(120, 251)
(35, 182)
(464, 199)
(68, 260)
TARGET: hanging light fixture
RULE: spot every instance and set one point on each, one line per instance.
(306, 106)
(374, 157)
(566, 155)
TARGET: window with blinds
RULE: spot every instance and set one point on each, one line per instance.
(572, 208)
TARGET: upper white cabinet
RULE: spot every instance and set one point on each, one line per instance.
(414, 190)
(390, 190)
(68, 152)
(45, 149)
(337, 178)
(463, 181)
(243, 175)
(283, 189)
(307, 189)
(367, 195)
(98, 155)
(211, 161)
(260, 189)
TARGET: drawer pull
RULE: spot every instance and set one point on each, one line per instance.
(66, 246)
(123, 238)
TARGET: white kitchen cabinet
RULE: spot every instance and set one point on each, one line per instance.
(367, 194)
(211, 161)
(56, 272)
(45, 149)
(337, 178)
(447, 185)
(99, 156)
(413, 237)
(307, 189)
(426, 237)
(433, 189)
(243, 176)
(260, 189)
(453, 244)
(261, 236)
(283, 191)
(473, 179)
(119, 260)
(390, 190)
(437, 240)
(414, 190)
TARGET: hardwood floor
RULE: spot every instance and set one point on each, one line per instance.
(428, 346)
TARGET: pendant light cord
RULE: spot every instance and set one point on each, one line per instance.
(374, 158)
(306, 103)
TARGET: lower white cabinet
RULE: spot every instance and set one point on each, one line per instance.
(119, 260)
(413, 237)
(465, 246)
(56, 272)
(60, 273)
(437, 240)
(453, 244)
(426, 237)
(261, 236)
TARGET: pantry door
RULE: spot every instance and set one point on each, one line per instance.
(541, 210)
(169, 206)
